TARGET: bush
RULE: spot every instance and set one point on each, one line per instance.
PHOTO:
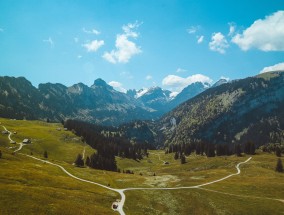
(279, 166)
(278, 152)
(79, 161)
(45, 155)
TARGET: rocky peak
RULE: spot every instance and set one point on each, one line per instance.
(78, 88)
(101, 83)
(220, 82)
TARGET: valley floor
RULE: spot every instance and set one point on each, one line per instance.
(29, 186)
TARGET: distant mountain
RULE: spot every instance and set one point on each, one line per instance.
(162, 101)
(188, 92)
(250, 109)
(19, 99)
(99, 103)
(220, 82)
(154, 97)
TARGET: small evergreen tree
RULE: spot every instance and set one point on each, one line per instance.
(210, 150)
(182, 159)
(45, 155)
(79, 161)
(198, 149)
(249, 148)
(238, 150)
(176, 156)
(278, 152)
(252, 148)
(87, 162)
(279, 166)
(0, 154)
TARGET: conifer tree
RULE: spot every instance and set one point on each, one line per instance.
(79, 161)
(182, 159)
(249, 148)
(0, 154)
(278, 152)
(176, 156)
(210, 150)
(198, 149)
(279, 166)
(45, 155)
(87, 162)
(252, 148)
(238, 150)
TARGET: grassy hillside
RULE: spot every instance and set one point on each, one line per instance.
(28, 186)
(247, 193)
(249, 109)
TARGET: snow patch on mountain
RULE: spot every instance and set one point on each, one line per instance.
(141, 92)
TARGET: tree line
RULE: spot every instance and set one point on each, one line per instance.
(107, 146)
(210, 150)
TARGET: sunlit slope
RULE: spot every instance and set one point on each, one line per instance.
(31, 187)
(28, 186)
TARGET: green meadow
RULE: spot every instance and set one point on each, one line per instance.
(28, 186)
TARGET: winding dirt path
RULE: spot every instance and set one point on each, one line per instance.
(121, 203)
(242, 196)
(10, 133)
(9, 137)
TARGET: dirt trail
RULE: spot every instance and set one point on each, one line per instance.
(121, 203)
(9, 137)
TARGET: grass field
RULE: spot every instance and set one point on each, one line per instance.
(33, 187)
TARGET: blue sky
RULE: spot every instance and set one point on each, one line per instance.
(139, 43)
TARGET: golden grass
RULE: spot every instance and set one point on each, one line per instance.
(32, 187)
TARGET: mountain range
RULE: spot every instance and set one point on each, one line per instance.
(99, 103)
(250, 109)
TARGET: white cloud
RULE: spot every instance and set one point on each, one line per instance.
(129, 29)
(180, 70)
(200, 39)
(117, 86)
(264, 34)
(193, 29)
(218, 43)
(148, 77)
(232, 29)
(76, 39)
(94, 45)
(50, 41)
(110, 56)
(92, 31)
(125, 48)
(276, 67)
(177, 83)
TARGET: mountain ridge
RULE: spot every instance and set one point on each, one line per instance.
(99, 103)
(231, 113)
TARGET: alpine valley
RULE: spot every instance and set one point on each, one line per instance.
(97, 150)
(165, 107)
